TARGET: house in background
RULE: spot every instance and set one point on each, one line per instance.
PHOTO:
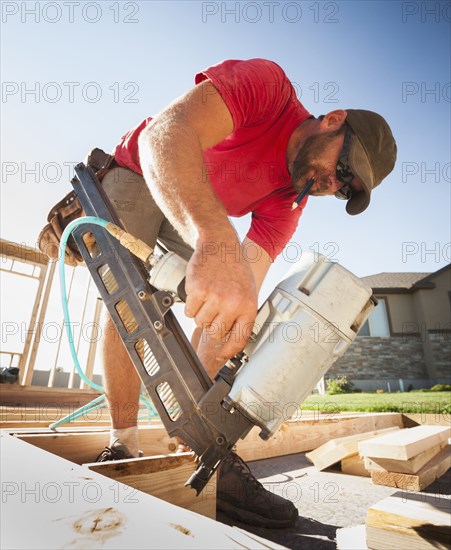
(407, 339)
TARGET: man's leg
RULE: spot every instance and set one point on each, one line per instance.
(141, 217)
(122, 385)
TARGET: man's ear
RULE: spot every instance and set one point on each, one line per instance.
(333, 120)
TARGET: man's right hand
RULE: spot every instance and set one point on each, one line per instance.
(221, 296)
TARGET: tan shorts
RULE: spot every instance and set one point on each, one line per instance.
(138, 212)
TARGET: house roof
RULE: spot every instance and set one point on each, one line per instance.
(394, 280)
(405, 282)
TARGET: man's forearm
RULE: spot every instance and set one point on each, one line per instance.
(173, 167)
(220, 290)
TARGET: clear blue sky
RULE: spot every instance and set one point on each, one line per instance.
(388, 56)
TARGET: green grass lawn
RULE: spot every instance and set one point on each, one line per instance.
(407, 402)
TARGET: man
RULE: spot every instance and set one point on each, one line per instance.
(238, 142)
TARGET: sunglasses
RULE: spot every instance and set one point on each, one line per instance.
(343, 171)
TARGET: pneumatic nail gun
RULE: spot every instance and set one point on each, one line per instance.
(308, 321)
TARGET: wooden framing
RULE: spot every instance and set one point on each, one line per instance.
(30, 256)
(15, 395)
(83, 445)
(159, 472)
(163, 474)
(163, 477)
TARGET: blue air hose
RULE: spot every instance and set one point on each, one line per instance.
(62, 276)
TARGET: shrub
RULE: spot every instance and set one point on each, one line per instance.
(339, 385)
(441, 387)
(437, 387)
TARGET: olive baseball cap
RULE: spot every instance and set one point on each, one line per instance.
(372, 154)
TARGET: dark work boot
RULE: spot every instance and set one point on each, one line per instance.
(117, 451)
(242, 497)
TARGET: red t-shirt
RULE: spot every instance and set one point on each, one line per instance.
(248, 169)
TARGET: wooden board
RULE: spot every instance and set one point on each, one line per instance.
(405, 444)
(431, 471)
(84, 446)
(409, 520)
(31, 424)
(305, 435)
(293, 437)
(44, 416)
(335, 450)
(49, 502)
(410, 466)
(354, 465)
(33, 396)
(163, 477)
(441, 418)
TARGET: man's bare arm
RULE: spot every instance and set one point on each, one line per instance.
(220, 287)
(170, 151)
(258, 259)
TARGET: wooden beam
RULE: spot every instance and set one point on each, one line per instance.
(305, 435)
(22, 253)
(293, 437)
(410, 466)
(406, 444)
(336, 449)
(41, 301)
(440, 418)
(49, 502)
(84, 447)
(431, 471)
(96, 322)
(409, 520)
(163, 477)
(354, 465)
(35, 396)
(10, 425)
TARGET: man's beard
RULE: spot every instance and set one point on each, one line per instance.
(306, 162)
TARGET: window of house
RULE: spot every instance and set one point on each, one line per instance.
(377, 322)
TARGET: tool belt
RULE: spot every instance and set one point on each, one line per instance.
(67, 210)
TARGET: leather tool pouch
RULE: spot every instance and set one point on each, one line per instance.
(67, 210)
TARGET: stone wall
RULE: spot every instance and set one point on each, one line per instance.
(441, 352)
(373, 358)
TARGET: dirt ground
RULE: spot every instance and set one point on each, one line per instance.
(326, 500)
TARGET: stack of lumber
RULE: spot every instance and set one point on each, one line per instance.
(342, 447)
(410, 459)
(409, 520)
